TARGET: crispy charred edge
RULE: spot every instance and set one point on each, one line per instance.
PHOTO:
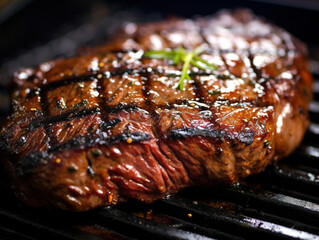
(26, 165)
(246, 136)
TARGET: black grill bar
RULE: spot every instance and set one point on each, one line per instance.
(31, 228)
(284, 175)
(36, 224)
(316, 89)
(6, 233)
(173, 221)
(314, 111)
(306, 155)
(270, 185)
(275, 203)
(141, 228)
(243, 226)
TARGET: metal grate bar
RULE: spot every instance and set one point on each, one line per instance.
(314, 111)
(30, 227)
(316, 88)
(158, 216)
(6, 234)
(36, 223)
(271, 186)
(242, 225)
(240, 199)
(139, 227)
(271, 202)
(284, 175)
(259, 214)
(312, 133)
(307, 155)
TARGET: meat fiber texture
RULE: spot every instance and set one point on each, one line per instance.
(108, 125)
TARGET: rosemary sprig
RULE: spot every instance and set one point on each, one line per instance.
(182, 55)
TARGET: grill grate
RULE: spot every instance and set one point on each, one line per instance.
(280, 203)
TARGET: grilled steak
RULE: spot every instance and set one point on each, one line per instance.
(110, 124)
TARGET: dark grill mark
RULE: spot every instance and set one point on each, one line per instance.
(101, 99)
(119, 72)
(30, 162)
(193, 132)
(202, 35)
(45, 110)
(74, 113)
(146, 87)
(62, 82)
(253, 67)
(101, 139)
(246, 137)
(34, 160)
(48, 121)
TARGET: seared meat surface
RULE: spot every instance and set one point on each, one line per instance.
(110, 124)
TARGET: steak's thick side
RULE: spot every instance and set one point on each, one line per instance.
(96, 129)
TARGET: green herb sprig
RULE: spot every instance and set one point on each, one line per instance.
(182, 55)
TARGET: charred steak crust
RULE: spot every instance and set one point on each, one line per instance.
(107, 125)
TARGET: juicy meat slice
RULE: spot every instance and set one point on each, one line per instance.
(96, 129)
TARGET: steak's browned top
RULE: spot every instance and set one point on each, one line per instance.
(110, 124)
